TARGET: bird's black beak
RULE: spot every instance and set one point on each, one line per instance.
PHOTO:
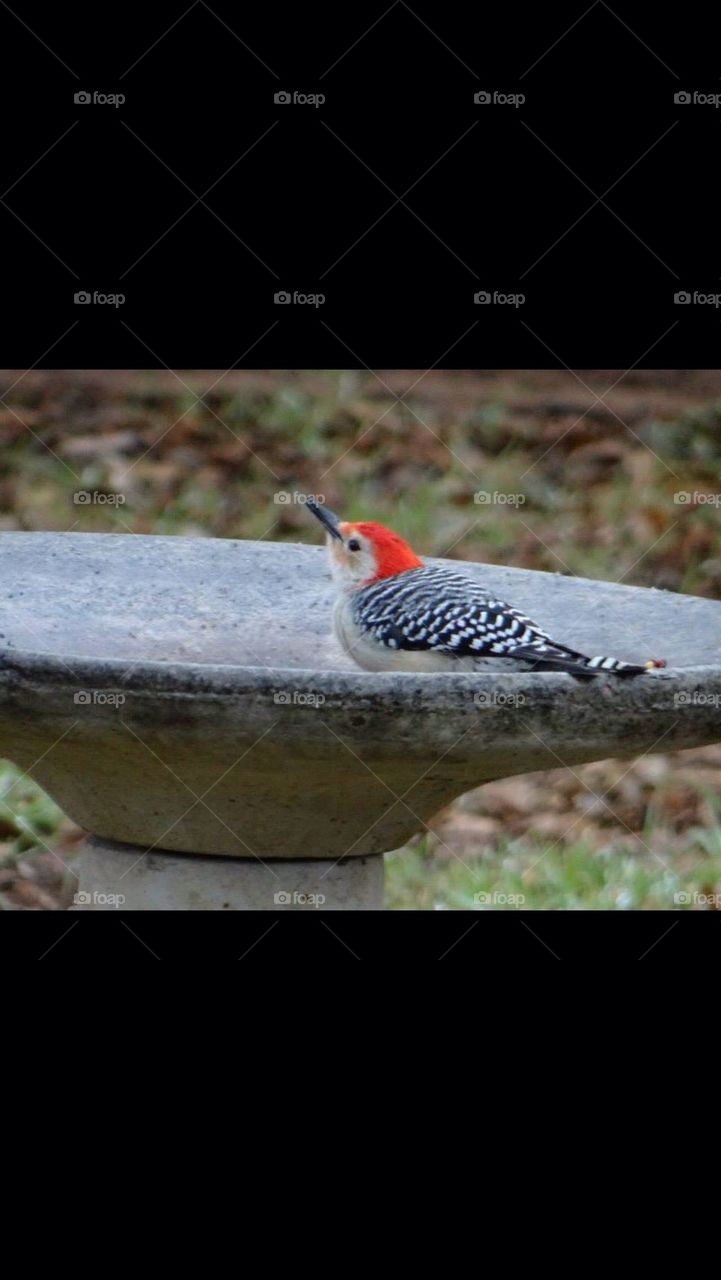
(327, 519)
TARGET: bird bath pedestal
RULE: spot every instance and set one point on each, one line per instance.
(184, 701)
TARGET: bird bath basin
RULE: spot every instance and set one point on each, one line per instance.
(184, 700)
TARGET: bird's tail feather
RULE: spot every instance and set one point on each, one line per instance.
(556, 657)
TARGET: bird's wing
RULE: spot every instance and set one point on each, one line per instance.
(441, 612)
(447, 613)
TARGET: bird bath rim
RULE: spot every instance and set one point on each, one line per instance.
(233, 678)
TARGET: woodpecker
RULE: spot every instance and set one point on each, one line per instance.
(394, 613)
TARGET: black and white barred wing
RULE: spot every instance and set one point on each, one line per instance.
(446, 613)
(432, 609)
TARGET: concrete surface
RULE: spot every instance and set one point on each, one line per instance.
(187, 694)
(123, 877)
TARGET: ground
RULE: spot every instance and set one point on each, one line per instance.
(541, 469)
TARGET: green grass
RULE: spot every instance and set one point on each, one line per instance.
(27, 815)
(528, 875)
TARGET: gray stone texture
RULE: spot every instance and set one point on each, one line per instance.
(245, 731)
(121, 877)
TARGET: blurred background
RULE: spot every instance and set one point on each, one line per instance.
(605, 474)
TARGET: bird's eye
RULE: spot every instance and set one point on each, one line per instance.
(354, 545)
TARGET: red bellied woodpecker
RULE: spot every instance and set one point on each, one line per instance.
(394, 613)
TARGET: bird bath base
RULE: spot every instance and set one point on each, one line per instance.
(126, 877)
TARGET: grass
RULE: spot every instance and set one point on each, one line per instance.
(527, 875)
(27, 814)
(32, 874)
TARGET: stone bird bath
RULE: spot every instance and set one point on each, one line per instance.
(184, 701)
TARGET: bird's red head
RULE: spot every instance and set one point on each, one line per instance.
(391, 553)
(363, 552)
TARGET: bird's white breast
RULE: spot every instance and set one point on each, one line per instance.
(373, 656)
